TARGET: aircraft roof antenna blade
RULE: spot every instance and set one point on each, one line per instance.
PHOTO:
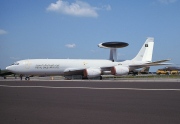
(113, 48)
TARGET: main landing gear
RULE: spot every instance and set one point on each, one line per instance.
(27, 78)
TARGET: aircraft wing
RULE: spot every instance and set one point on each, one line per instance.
(73, 71)
(155, 63)
(80, 71)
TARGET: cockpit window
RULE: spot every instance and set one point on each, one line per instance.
(16, 63)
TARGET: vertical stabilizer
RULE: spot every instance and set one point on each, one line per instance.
(146, 52)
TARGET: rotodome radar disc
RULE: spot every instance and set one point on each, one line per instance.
(113, 44)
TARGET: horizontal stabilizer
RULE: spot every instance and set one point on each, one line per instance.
(155, 63)
(160, 61)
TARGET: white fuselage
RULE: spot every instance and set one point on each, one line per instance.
(56, 66)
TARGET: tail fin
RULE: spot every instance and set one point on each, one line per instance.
(146, 52)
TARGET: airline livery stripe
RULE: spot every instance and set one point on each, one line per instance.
(91, 88)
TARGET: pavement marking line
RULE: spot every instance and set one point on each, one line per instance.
(90, 88)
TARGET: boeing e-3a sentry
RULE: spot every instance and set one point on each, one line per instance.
(88, 68)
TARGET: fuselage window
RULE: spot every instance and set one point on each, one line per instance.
(15, 63)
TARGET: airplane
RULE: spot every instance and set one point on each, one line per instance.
(88, 68)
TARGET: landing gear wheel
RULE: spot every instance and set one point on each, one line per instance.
(27, 78)
(100, 77)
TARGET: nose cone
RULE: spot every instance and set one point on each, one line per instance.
(10, 68)
(7, 68)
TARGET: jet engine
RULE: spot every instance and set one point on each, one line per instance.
(92, 72)
(119, 70)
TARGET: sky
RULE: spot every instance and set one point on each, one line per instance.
(60, 29)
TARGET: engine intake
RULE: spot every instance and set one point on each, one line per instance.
(91, 73)
(119, 70)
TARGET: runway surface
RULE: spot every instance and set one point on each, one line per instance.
(89, 102)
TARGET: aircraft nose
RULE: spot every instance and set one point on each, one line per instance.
(9, 68)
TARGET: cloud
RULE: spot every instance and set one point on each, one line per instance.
(106, 7)
(78, 8)
(167, 1)
(70, 45)
(2, 32)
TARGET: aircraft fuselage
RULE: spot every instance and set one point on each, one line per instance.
(56, 66)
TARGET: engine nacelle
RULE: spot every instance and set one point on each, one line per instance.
(119, 70)
(92, 72)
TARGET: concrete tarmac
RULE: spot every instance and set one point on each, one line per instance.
(89, 102)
